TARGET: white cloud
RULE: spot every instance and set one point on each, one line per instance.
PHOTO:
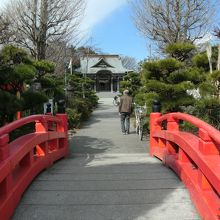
(98, 10)
(3, 2)
(207, 38)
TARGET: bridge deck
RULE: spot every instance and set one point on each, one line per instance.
(107, 176)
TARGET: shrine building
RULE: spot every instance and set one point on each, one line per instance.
(106, 70)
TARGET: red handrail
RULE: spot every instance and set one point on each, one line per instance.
(195, 158)
(212, 132)
(26, 156)
(23, 121)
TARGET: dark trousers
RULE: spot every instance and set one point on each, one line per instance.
(125, 122)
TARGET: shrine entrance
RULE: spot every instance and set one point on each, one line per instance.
(106, 71)
(103, 81)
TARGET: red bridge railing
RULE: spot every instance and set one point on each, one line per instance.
(23, 158)
(195, 158)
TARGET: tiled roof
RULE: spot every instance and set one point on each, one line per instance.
(91, 64)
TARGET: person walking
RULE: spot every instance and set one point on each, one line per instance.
(125, 111)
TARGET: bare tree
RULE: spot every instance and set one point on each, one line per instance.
(171, 21)
(38, 23)
(129, 63)
(5, 34)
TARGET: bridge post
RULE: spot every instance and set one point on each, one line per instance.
(172, 124)
(26, 156)
(206, 147)
(206, 144)
(41, 126)
(154, 126)
(7, 183)
(63, 127)
(195, 158)
(4, 148)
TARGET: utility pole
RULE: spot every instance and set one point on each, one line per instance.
(209, 55)
(87, 64)
(65, 67)
(85, 73)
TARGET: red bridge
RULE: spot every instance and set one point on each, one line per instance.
(23, 158)
(194, 158)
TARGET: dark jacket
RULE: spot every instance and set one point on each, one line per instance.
(125, 104)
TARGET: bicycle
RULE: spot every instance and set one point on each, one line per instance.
(140, 114)
(116, 100)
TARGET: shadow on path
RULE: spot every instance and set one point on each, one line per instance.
(89, 145)
(107, 176)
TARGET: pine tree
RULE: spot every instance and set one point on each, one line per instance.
(170, 80)
(15, 69)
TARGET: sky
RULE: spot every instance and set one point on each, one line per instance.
(110, 27)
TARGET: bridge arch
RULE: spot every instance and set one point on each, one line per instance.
(25, 157)
(194, 157)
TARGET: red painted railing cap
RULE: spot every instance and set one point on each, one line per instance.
(203, 134)
(4, 139)
(33, 118)
(170, 118)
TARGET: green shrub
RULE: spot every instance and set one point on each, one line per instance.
(208, 109)
(10, 104)
(186, 126)
(180, 50)
(83, 107)
(25, 129)
(73, 118)
(34, 101)
(201, 61)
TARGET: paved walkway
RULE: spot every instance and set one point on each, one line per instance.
(107, 176)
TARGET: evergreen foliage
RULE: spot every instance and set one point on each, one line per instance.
(208, 110)
(43, 67)
(81, 99)
(180, 50)
(181, 82)
(214, 78)
(17, 70)
(33, 101)
(10, 105)
(201, 61)
(169, 80)
(132, 82)
(174, 80)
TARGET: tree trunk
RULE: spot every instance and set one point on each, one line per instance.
(34, 28)
(42, 44)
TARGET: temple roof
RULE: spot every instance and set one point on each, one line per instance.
(93, 63)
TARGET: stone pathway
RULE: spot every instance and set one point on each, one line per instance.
(106, 176)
